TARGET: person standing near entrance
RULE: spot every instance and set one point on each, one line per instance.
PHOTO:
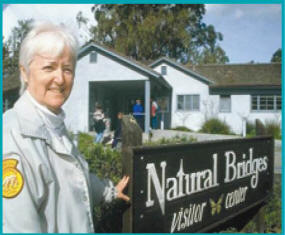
(154, 110)
(118, 130)
(138, 113)
(99, 123)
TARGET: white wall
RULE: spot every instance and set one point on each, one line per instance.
(241, 108)
(106, 69)
(209, 104)
(183, 84)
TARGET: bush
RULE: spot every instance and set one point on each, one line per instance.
(182, 128)
(102, 160)
(273, 128)
(273, 208)
(216, 126)
(105, 163)
(270, 127)
(250, 129)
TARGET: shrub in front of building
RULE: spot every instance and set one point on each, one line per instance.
(182, 128)
(273, 128)
(250, 129)
(216, 126)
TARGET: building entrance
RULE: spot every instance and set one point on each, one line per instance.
(120, 96)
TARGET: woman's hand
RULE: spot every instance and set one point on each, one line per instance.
(120, 188)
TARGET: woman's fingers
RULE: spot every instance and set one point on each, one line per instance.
(121, 186)
(124, 197)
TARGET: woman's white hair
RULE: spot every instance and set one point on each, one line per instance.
(45, 37)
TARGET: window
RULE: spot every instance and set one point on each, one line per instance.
(93, 57)
(163, 70)
(225, 103)
(265, 102)
(188, 102)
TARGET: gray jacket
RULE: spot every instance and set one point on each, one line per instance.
(57, 192)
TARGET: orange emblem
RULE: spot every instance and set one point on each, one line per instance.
(12, 179)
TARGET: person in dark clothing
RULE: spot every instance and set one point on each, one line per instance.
(99, 124)
(118, 131)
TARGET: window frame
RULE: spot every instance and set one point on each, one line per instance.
(91, 58)
(191, 103)
(230, 105)
(259, 104)
(163, 70)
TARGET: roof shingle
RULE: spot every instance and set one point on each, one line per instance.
(241, 74)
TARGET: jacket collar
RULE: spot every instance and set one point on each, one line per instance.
(29, 120)
(32, 125)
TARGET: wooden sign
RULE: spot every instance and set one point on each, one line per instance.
(195, 187)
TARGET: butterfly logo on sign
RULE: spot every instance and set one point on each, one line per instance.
(216, 206)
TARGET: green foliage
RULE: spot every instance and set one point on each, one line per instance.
(215, 126)
(229, 230)
(146, 32)
(11, 47)
(273, 209)
(102, 160)
(250, 129)
(182, 128)
(213, 56)
(277, 56)
(105, 163)
(273, 128)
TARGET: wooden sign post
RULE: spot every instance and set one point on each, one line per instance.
(131, 137)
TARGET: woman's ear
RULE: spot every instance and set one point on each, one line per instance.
(24, 74)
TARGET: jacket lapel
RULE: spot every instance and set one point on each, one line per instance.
(31, 125)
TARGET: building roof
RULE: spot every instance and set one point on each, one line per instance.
(118, 57)
(239, 75)
(13, 82)
(225, 76)
(181, 68)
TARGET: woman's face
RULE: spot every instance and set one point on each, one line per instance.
(50, 79)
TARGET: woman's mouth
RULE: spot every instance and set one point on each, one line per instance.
(56, 89)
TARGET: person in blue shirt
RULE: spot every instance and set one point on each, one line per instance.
(138, 113)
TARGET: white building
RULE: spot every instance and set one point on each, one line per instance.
(107, 78)
(232, 93)
(187, 95)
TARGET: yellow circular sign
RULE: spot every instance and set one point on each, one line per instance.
(12, 182)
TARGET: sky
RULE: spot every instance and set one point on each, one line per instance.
(251, 32)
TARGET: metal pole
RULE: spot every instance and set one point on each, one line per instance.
(147, 106)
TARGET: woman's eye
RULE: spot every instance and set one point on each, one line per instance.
(48, 68)
(68, 70)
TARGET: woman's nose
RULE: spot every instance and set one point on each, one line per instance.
(59, 77)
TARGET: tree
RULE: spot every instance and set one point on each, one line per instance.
(216, 56)
(148, 31)
(11, 47)
(277, 56)
(6, 55)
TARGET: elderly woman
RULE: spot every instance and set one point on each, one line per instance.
(47, 187)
